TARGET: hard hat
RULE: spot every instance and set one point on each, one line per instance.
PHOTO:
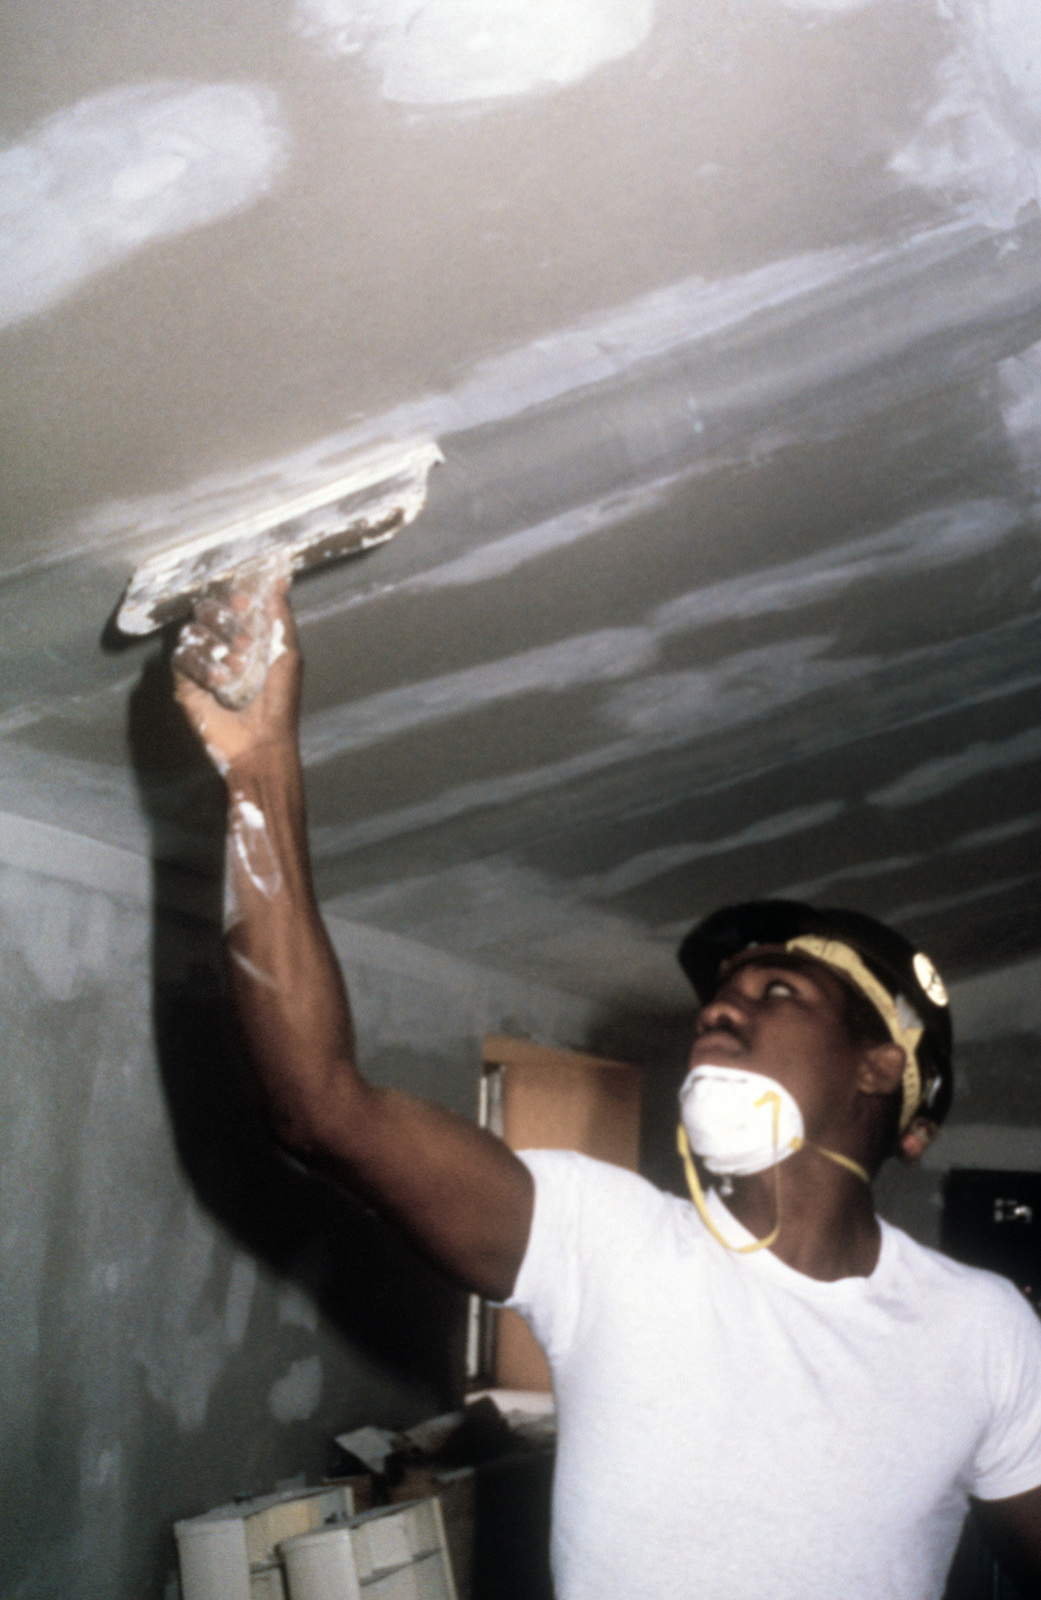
(900, 981)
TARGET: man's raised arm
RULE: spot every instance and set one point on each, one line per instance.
(462, 1196)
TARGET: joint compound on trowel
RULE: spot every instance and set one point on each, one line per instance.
(382, 490)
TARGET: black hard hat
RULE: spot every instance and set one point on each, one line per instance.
(905, 973)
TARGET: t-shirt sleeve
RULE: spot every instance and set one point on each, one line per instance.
(588, 1218)
(1008, 1460)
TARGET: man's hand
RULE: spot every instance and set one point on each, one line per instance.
(218, 638)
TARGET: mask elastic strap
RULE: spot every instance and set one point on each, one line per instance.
(844, 1161)
(698, 1197)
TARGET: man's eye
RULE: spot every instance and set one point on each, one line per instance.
(777, 986)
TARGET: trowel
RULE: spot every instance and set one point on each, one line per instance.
(228, 570)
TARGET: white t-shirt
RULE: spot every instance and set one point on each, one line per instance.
(730, 1429)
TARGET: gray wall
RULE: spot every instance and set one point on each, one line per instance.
(184, 1317)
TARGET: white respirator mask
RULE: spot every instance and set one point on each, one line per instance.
(738, 1123)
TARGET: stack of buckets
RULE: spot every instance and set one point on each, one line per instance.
(309, 1546)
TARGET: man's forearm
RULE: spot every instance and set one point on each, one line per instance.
(459, 1192)
(285, 978)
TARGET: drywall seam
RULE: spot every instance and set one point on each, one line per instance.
(936, 777)
(939, 292)
(905, 699)
(928, 541)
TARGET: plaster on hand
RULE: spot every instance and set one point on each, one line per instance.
(233, 638)
(216, 755)
(278, 641)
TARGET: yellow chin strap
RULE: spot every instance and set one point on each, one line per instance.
(697, 1194)
(833, 953)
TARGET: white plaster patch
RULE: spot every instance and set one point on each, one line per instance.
(915, 909)
(1020, 380)
(192, 1329)
(499, 557)
(930, 540)
(443, 52)
(978, 839)
(743, 687)
(826, 5)
(585, 658)
(651, 864)
(907, 691)
(297, 1309)
(936, 777)
(242, 1286)
(94, 183)
(101, 1469)
(516, 916)
(294, 1396)
(68, 937)
(1000, 833)
(813, 888)
(980, 142)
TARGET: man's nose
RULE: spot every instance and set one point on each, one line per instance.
(721, 1010)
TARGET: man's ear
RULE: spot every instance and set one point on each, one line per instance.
(881, 1068)
(917, 1138)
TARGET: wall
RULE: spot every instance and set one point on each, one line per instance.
(184, 1316)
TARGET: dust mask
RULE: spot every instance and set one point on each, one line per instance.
(739, 1122)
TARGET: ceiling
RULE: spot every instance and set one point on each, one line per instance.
(726, 315)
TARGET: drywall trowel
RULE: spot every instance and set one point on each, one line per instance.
(229, 569)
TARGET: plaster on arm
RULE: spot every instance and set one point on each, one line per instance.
(460, 1193)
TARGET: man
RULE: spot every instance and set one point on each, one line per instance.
(766, 1394)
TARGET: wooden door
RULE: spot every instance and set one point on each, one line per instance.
(540, 1098)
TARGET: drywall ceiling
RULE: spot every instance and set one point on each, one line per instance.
(727, 317)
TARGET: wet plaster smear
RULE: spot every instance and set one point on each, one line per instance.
(727, 320)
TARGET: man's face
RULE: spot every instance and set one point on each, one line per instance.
(783, 1015)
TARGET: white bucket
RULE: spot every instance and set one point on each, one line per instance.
(320, 1565)
(212, 1558)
